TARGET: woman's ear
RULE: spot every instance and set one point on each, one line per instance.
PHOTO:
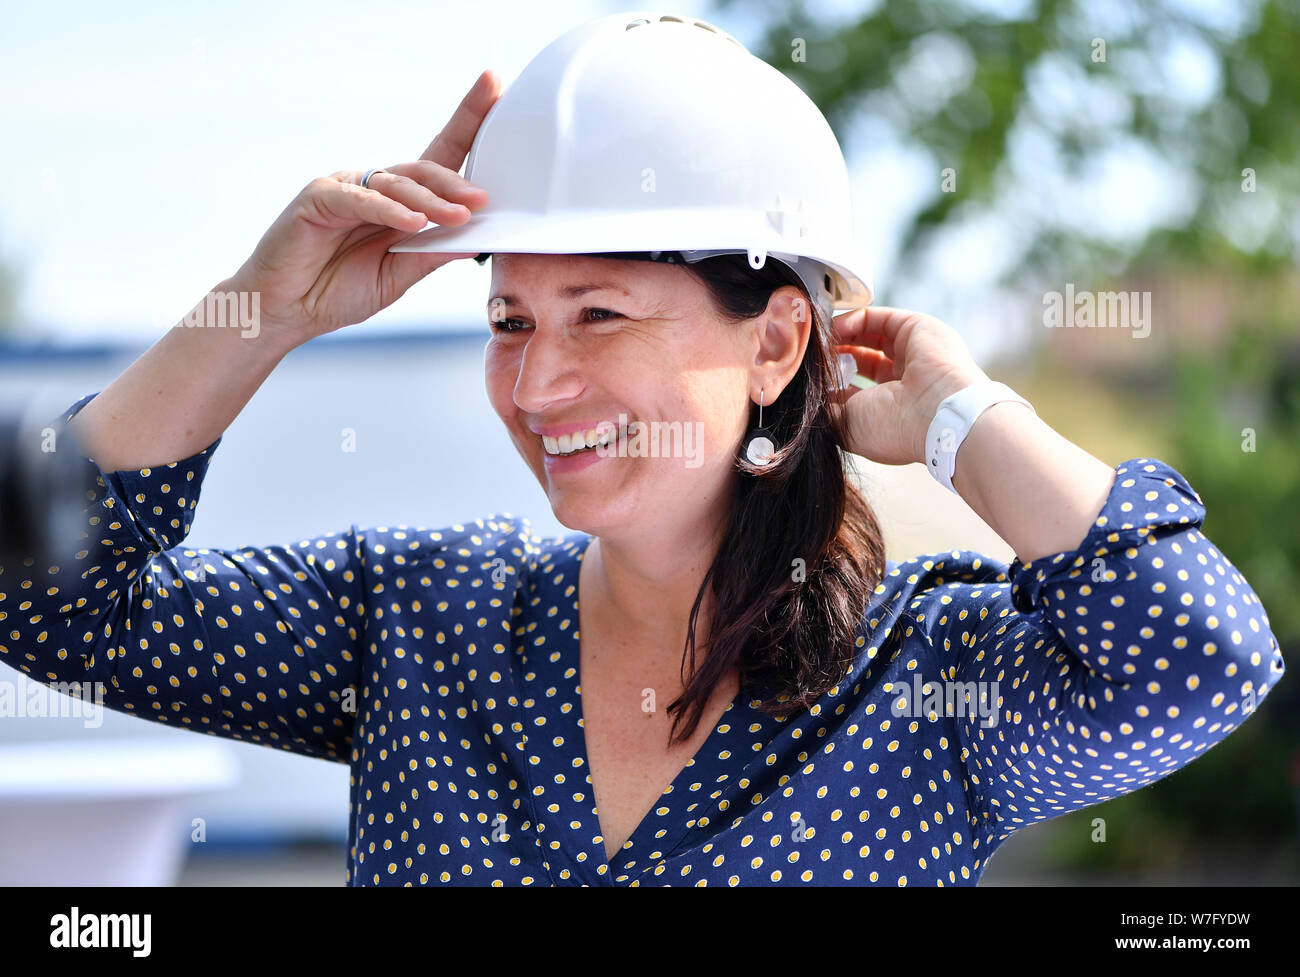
(781, 334)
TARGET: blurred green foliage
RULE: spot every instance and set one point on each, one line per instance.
(1012, 103)
(1003, 99)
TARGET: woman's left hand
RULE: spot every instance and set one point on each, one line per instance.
(916, 361)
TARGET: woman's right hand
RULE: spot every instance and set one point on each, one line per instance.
(324, 263)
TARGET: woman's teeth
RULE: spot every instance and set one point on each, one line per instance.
(568, 444)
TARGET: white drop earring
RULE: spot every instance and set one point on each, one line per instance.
(759, 447)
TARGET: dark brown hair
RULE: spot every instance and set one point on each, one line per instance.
(791, 641)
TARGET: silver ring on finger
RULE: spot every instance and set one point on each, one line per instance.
(365, 180)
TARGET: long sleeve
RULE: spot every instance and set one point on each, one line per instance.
(1116, 663)
(256, 644)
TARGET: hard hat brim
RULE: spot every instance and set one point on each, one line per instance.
(680, 229)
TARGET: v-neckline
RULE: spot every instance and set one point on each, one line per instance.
(635, 840)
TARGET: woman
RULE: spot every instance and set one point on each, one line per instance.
(717, 678)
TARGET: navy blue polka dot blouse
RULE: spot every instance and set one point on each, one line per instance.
(441, 665)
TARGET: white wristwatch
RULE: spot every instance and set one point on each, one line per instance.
(953, 420)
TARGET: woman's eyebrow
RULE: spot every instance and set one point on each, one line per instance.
(569, 292)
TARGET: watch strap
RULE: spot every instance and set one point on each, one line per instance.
(953, 420)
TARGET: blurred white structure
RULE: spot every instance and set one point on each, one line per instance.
(103, 812)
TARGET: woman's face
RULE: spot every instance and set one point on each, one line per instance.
(581, 343)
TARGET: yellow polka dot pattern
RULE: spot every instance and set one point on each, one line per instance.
(442, 666)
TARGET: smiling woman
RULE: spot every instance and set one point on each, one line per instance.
(716, 677)
(686, 342)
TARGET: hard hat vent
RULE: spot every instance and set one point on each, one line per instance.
(669, 18)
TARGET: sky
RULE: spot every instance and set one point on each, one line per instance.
(149, 145)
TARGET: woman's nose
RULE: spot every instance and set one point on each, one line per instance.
(550, 370)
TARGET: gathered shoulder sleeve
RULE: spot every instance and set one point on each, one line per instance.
(1115, 663)
(255, 643)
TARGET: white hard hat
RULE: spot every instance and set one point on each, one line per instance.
(646, 132)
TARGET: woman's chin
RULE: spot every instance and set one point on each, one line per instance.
(582, 517)
(594, 513)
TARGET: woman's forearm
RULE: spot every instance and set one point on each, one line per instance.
(182, 393)
(1036, 489)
